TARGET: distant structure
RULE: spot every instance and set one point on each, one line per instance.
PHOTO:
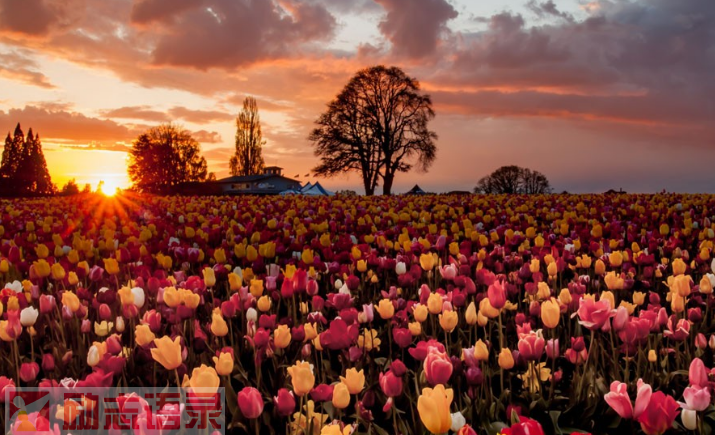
(614, 192)
(270, 182)
(310, 189)
(417, 190)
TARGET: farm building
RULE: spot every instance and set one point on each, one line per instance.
(271, 182)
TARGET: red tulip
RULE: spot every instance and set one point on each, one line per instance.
(390, 384)
(48, 362)
(525, 426)
(6, 384)
(497, 295)
(285, 402)
(322, 393)
(29, 371)
(659, 415)
(250, 402)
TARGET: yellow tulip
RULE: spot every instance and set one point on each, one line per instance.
(302, 378)
(282, 336)
(420, 313)
(42, 268)
(427, 261)
(209, 277)
(415, 328)
(70, 300)
(433, 407)
(205, 379)
(341, 396)
(256, 288)
(506, 359)
(103, 329)
(550, 313)
(111, 266)
(435, 303)
(58, 272)
(224, 364)
(220, 256)
(354, 380)
(167, 352)
(234, 281)
(143, 335)
(448, 320)
(386, 309)
(264, 304)
(219, 328)
(481, 351)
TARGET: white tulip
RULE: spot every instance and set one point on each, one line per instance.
(119, 324)
(690, 419)
(28, 316)
(251, 314)
(93, 356)
(139, 297)
(15, 286)
(338, 284)
(401, 268)
(458, 421)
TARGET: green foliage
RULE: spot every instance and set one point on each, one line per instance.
(23, 169)
(164, 157)
(248, 158)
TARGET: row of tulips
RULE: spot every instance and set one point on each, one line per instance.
(466, 314)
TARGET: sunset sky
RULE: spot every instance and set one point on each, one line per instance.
(596, 95)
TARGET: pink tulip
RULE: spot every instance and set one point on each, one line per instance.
(619, 400)
(594, 315)
(250, 402)
(531, 346)
(438, 367)
(696, 398)
(698, 374)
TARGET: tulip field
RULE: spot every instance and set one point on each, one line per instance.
(467, 314)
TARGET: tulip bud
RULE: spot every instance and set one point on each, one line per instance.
(700, 341)
(29, 371)
(119, 324)
(553, 350)
(48, 362)
(652, 357)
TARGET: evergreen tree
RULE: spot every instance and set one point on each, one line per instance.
(12, 153)
(24, 167)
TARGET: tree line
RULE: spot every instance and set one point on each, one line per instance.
(377, 126)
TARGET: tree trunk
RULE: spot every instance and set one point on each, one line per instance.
(369, 186)
(387, 184)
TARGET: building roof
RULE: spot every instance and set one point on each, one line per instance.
(417, 190)
(251, 178)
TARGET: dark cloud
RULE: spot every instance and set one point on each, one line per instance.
(67, 126)
(547, 9)
(232, 33)
(17, 65)
(415, 27)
